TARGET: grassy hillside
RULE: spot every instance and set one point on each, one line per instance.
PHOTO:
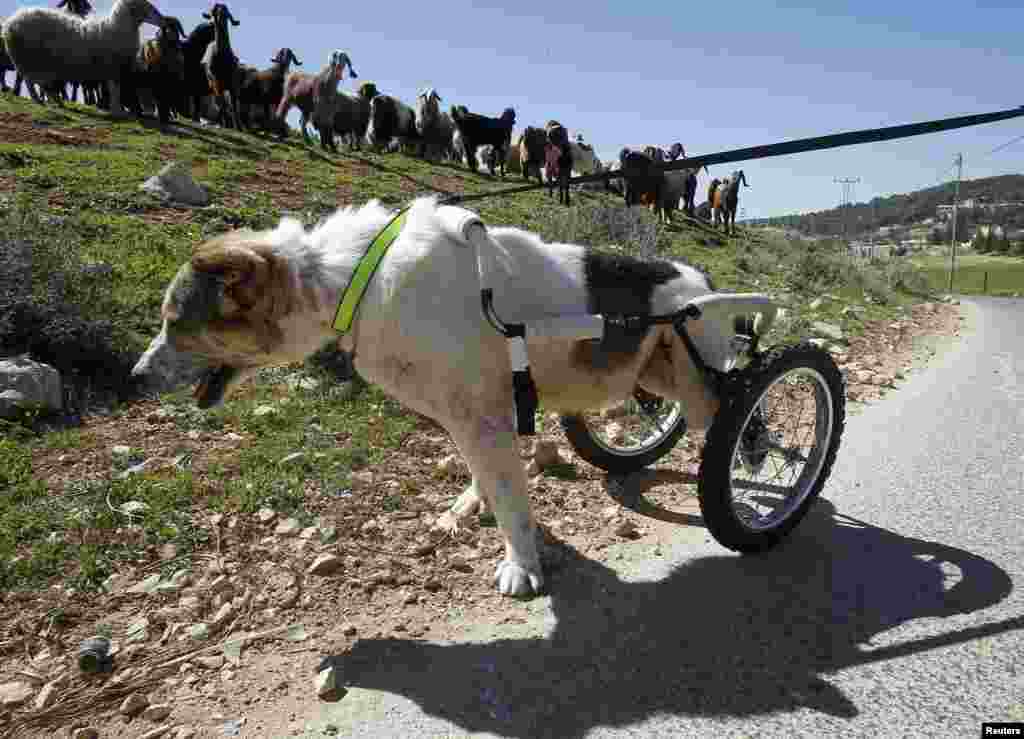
(1005, 275)
(69, 198)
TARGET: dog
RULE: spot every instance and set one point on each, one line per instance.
(250, 299)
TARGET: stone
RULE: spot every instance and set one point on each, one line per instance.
(288, 527)
(15, 693)
(828, 330)
(134, 704)
(326, 682)
(264, 410)
(25, 383)
(85, 732)
(545, 454)
(210, 663)
(174, 183)
(223, 615)
(293, 457)
(325, 564)
(48, 694)
(266, 515)
(154, 733)
(626, 529)
(157, 711)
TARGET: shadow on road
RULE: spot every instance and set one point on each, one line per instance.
(722, 635)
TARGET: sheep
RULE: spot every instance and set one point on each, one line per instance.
(80, 8)
(352, 115)
(434, 126)
(530, 147)
(265, 88)
(48, 45)
(558, 160)
(316, 97)
(477, 130)
(6, 65)
(161, 69)
(197, 86)
(221, 64)
(390, 119)
(728, 195)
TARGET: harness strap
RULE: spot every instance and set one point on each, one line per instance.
(364, 271)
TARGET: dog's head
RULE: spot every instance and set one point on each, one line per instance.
(223, 317)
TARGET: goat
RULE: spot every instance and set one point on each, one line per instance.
(316, 97)
(197, 85)
(727, 199)
(477, 130)
(49, 46)
(390, 120)
(221, 64)
(265, 88)
(531, 145)
(558, 160)
(352, 115)
(434, 126)
(161, 69)
(643, 181)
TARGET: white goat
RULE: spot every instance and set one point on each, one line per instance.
(49, 46)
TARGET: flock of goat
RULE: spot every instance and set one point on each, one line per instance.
(197, 75)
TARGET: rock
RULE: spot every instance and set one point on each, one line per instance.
(349, 629)
(25, 383)
(149, 585)
(232, 436)
(174, 183)
(266, 515)
(157, 712)
(15, 693)
(264, 410)
(545, 454)
(210, 662)
(138, 631)
(223, 615)
(865, 376)
(48, 694)
(154, 733)
(626, 529)
(138, 469)
(293, 457)
(449, 465)
(326, 682)
(134, 704)
(828, 330)
(185, 732)
(85, 732)
(288, 527)
(122, 450)
(308, 533)
(611, 512)
(325, 564)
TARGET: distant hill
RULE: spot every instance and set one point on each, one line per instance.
(989, 200)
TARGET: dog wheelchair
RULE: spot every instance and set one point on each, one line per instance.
(772, 444)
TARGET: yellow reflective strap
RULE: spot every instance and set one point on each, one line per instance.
(360, 280)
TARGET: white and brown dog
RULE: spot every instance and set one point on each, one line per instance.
(251, 299)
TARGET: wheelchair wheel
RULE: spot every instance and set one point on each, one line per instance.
(627, 437)
(771, 447)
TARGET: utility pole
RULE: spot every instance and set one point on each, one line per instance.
(847, 199)
(956, 202)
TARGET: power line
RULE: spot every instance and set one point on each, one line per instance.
(1003, 146)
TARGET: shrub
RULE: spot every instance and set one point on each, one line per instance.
(53, 306)
(633, 229)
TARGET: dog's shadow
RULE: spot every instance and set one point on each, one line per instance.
(721, 635)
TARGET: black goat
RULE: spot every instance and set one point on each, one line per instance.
(479, 130)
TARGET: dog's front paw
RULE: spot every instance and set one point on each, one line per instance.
(514, 579)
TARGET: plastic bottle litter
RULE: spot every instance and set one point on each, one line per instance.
(94, 655)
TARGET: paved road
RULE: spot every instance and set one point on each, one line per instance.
(890, 611)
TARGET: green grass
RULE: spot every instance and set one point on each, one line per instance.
(1005, 274)
(101, 216)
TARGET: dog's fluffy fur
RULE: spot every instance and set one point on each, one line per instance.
(252, 299)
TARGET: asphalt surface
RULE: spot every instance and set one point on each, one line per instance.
(890, 611)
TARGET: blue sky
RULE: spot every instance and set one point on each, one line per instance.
(712, 75)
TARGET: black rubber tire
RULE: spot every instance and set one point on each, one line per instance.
(577, 432)
(715, 484)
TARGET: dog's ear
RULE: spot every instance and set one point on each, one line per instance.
(244, 272)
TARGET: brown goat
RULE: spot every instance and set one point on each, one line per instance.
(265, 87)
(531, 152)
(161, 68)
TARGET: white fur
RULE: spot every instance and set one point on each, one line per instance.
(419, 333)
(47, 44)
